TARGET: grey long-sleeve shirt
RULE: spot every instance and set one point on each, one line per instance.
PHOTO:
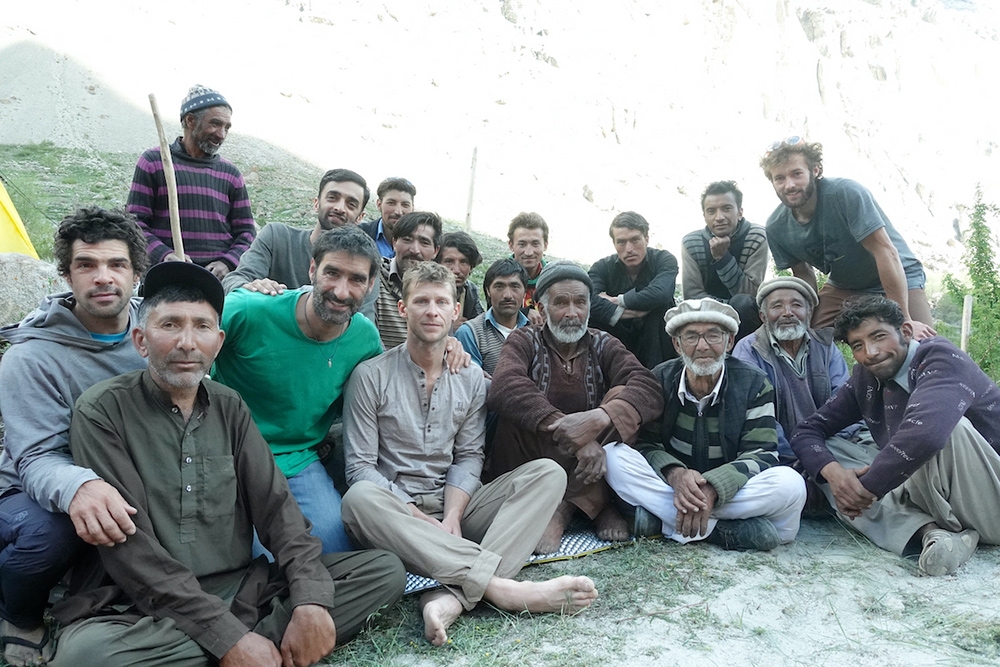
(398, 437)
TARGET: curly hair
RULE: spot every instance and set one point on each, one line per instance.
(813, 152)
(859, 310)
(92, 224)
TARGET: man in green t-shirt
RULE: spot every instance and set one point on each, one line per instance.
(290, 356)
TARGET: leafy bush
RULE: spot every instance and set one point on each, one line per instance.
(984, 286)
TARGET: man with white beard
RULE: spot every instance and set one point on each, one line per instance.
(708, 468)
(803, 365)
(561, 391)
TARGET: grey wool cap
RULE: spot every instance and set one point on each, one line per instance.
(786, 282)
(555, 272)
(702, 310)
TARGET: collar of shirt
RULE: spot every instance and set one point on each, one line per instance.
(394, 272)
(522, 320)
(713, 397)
(902, 377)
(163, 398)
(798, 363)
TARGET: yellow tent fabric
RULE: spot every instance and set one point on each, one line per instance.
(13, 237)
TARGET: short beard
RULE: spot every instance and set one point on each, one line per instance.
(787, 333)
(703, 368)
(567, 335)
(208, 148)
(331, 316)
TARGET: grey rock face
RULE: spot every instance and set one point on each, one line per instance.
(24, 281)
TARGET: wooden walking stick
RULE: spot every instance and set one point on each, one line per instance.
(168, 171)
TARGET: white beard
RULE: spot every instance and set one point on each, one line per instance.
(567, 335)
(703, 368)
(787, 333)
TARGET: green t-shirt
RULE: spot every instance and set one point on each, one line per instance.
(292, 383)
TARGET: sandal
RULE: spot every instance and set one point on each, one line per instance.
(17, 657)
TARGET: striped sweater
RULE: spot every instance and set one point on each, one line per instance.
(729, 442)
(212, 200)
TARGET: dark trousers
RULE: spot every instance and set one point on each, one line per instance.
(37, 547)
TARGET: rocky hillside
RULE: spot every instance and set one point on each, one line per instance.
(576, 109)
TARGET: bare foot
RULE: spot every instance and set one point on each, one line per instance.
(611, 526)
(19, 654)
(552, 537)
(440, 609)
(566, 595)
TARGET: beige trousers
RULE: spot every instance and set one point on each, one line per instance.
(500, 527)
(958, 488)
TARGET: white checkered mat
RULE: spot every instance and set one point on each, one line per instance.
(579, 540)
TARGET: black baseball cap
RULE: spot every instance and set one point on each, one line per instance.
(168, 274)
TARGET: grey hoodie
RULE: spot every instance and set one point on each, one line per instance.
(52, 360)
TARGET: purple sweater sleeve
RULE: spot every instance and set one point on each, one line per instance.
(943, 386)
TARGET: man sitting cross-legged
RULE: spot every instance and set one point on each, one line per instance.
(930, 483)
(413, 438)
(184, 452)
(562, 391)
(710, 468)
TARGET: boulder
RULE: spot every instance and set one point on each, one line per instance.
(24, 282)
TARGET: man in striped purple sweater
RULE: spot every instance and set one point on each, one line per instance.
(216, 223)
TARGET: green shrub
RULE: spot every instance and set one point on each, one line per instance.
(984, 286)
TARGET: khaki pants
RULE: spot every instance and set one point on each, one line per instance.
(831, 303)
(958, 488)
(500, 527)
(365, 580)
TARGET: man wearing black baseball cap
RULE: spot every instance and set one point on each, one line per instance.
(186, 456)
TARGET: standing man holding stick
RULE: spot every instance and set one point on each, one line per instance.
(213, 206)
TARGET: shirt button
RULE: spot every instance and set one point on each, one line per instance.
(187, 460)
(174, 409)
(188, 488)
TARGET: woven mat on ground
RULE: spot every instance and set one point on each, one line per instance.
(578, 540)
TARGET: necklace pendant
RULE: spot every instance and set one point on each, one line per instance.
(329, 362)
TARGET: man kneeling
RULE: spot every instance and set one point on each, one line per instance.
(710, 468)
(185, 454)
(413, 443)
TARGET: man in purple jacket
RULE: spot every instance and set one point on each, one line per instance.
(930, 485)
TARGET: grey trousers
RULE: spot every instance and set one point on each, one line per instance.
(958, 488)
(365, 581)
(500, 527)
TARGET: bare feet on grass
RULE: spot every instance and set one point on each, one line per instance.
(611, 526)
(565, 595)
(440, 609)
(552, 537)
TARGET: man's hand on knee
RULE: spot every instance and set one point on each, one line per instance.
(309, 637)
(851, 496)
(252, 650)
(100, 514)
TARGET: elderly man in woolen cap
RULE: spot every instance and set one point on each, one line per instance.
(216, 223)
(707, 469)
(561, 391)
(803, 365)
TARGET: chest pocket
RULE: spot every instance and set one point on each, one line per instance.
(218, 484)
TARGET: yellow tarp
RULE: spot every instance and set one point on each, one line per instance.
(13, 237)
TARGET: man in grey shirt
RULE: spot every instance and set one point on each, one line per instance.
(278, 259)
(413, 439)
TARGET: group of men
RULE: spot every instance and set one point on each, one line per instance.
(200, 519)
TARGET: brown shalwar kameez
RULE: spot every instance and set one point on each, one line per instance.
(533, 386)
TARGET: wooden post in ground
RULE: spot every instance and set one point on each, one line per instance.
(472, 185)
(168, 172)
(966, 321)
